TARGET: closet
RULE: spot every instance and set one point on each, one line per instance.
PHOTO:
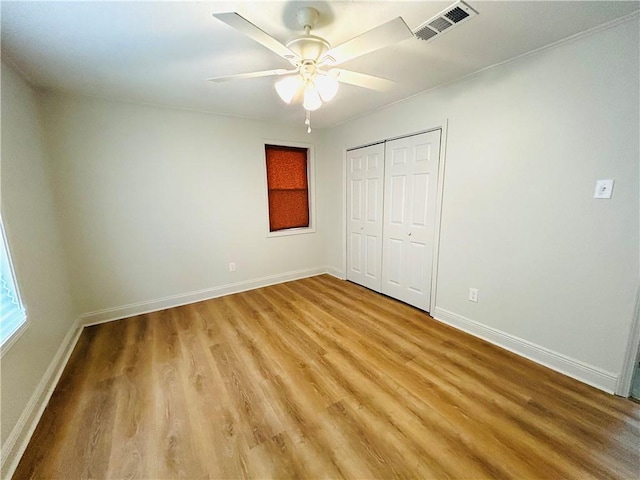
(391, 209)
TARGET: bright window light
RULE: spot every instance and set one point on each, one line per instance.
(12, 313)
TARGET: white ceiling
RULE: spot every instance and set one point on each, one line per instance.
(162, 52)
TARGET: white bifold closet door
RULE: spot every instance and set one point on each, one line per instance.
(391, 208)
(365, 179)
(411, 182)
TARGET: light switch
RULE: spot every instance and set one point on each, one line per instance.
(603, 189)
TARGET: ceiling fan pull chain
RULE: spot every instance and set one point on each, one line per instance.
(307, 121)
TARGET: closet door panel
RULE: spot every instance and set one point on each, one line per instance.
(356, 200)
(419, 200)
(417, 277)
(365, 184)
(409, 217)
(373, 252)
(355, 253)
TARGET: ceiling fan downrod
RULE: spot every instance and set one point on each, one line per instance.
(309, 48)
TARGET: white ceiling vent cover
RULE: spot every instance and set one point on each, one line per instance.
(445, 21)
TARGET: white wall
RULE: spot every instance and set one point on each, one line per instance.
(526, 142)
(156, 201)
(30, 217)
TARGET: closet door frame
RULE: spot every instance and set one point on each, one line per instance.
(443, 127)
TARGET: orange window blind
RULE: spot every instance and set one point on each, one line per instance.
(288, 187)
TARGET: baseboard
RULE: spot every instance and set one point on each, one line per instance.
(117, 313)
(19, 437)
(588, 374)
(336, 272)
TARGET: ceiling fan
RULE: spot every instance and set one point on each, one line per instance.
(314, 77)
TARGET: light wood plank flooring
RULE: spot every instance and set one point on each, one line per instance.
(319, 378)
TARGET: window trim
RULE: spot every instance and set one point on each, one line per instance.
(8, 342)
(311, 187)
(17, 333)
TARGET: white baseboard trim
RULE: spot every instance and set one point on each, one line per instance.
(588, 374)
(140, 308)
(19, 437)
(336, 272)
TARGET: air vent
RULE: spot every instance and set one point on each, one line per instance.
(445, 21)
(456, 15)
(440, 24)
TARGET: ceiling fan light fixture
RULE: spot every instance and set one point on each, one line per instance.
(327, 87)
(288, 87)
(309, 54)
(312, 100)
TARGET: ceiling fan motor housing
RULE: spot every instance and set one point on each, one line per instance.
(309, 47)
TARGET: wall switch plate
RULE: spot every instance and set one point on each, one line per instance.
(232, 267)
(603, 189)
(473, 295)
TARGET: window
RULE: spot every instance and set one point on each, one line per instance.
(12, 314)
(288, 188)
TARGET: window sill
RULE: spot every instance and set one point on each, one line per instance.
(291, 231)
(15, 335)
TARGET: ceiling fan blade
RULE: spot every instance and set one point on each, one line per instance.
(255, 33)
(361, 79)
(379, 37)
(264, 73)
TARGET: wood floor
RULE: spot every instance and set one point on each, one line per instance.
(319, 378)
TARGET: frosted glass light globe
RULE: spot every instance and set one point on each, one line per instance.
(327, 87)
(288, 87)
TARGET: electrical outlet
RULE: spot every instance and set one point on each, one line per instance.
(232, 267)
(604, 188)
(473, 295)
